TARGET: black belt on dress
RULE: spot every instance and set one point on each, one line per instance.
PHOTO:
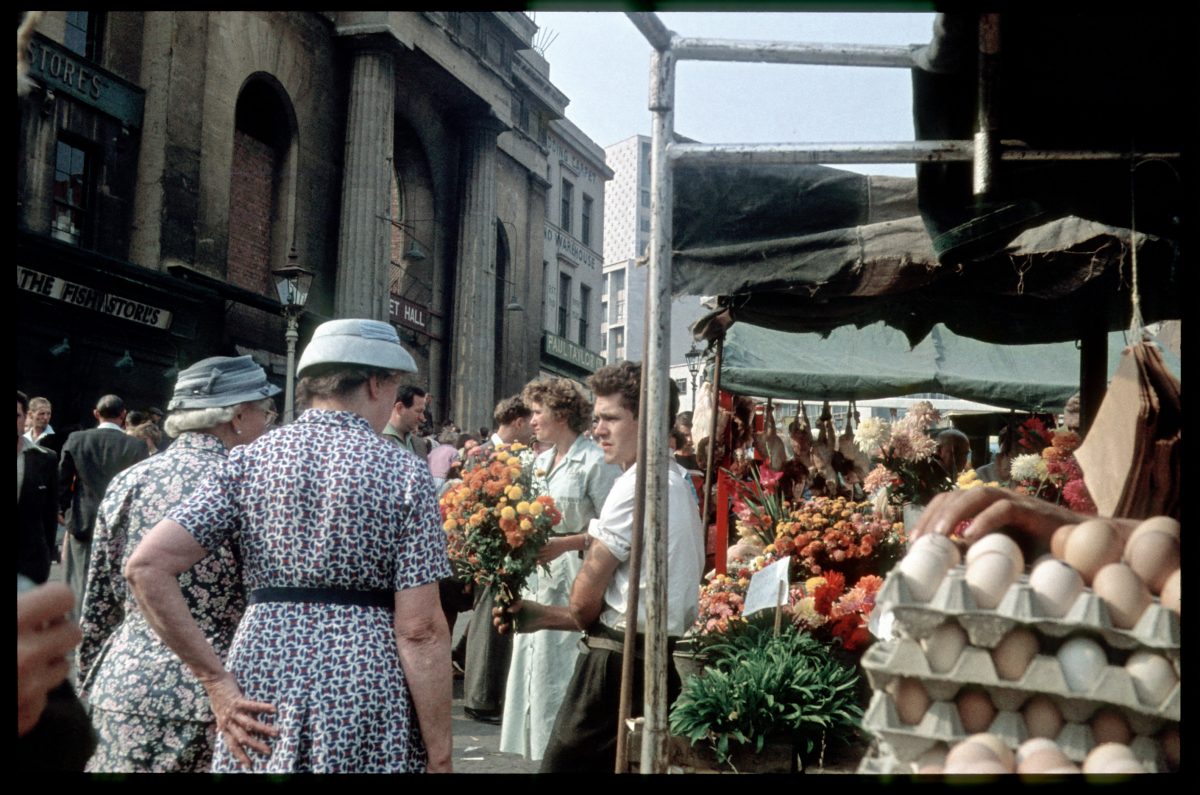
(325, 596)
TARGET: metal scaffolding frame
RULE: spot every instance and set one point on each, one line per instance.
(984, 150)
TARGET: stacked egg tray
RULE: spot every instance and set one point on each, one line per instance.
(901, 744)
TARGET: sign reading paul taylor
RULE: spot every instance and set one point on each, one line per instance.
(90, 298)
(564, 350)
(59, 69)
(414, 316)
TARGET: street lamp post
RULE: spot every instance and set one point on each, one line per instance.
(693, 358)
(292, 283)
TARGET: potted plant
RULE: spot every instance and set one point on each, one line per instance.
(762, 688)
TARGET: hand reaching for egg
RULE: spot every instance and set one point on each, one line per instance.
(987, 509)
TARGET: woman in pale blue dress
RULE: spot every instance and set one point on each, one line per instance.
(573, 472)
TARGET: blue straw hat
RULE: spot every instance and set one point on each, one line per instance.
(220, 381)
(372, 343)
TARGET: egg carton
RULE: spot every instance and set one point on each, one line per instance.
(904, 657)
(941, 724)
(1156, 630)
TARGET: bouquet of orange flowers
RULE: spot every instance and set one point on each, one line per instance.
(835, 534)
(494, 525)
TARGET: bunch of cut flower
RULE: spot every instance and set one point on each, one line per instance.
(907, 470)
(494, 526)
(835, 534)
(823, 607)
(1054, 474)
(760, 685)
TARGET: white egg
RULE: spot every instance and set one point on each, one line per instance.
(942, 544)
(1055, 586)
(988, 577)
(997, 542)
(1083, 662)
(923, 570)
(1105, 755)
(943, 646)
(1153, 677)
(1035, 744)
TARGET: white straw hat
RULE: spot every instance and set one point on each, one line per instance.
(372, 343)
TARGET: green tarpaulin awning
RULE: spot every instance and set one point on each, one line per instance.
(877, 361)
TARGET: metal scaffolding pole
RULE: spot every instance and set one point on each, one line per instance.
(657, 453)
(696, 49)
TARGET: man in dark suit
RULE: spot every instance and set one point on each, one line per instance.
(90, 460)
(37, 509)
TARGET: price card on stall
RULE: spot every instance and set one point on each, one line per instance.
(765, 592)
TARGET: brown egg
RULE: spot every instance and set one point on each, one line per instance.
(1109, 726)
(1168, 740)
(1043, 761)
(1013, 653)
(975, 710)
(1123, 593)
(1153, 555)
(1091, 546)
(1042, 717)
(1169, 598)
(1105, 754)
(988, 578)
(1058, 541)
(912, 702)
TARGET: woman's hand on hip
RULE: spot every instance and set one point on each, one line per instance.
(237, 718)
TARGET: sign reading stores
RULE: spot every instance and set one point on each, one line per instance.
(570, 249)
(59, 69)
(562, 348)
(90, 298)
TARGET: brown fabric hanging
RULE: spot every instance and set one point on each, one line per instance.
(1132, 455)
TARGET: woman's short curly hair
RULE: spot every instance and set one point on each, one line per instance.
(563, 398)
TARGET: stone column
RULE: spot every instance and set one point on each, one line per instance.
(363, 235)
(473, 370)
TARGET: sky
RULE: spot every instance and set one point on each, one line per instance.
(602, 63)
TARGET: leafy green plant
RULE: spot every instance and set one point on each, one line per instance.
(759, 685)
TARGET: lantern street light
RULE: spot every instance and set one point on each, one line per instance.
(292, 283)
(693, 358)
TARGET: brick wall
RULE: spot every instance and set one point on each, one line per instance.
(251, 193)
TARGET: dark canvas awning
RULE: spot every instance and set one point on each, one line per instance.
(1047, 256)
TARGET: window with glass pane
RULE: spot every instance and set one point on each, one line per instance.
(71, 178)
(585, 298)
(82, 33)
(585, 224)
(567, 197)
(564, 303)
(645, 198)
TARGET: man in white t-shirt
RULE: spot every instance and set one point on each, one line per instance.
(584, 737)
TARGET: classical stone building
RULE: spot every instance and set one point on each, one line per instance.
(169, 160)
(572, 263)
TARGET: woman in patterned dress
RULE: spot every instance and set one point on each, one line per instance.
(342, 660)
(149, 712)
(573, 472)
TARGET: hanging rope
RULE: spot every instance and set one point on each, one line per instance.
(1135, 320)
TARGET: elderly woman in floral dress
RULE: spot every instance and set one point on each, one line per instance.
(150, 712)
(573, 472)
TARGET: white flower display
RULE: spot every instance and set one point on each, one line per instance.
(1028, 467)
(870, 434)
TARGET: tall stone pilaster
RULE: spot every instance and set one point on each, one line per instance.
(362, 285)
(473, 367)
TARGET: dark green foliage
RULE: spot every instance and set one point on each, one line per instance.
(758, 685)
